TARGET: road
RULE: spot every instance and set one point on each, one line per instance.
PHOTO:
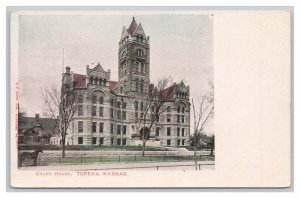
(185, 165)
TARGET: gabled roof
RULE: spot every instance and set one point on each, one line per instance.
(112, 84)
(139, 30)
(167, 93)
(79, 80)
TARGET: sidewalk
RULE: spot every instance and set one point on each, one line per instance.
(141, 166)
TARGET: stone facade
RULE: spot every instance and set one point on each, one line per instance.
(109, 112)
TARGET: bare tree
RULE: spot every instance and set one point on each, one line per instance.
(61, 105)
(202, 115)
(153, 106)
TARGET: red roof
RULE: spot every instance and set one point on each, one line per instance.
(112, 84)
(132, 26)
(166, 94)
(79, 80)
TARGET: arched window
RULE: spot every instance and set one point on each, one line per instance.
(94, 99)
(104, 82)
(139, 52)
(80, 99)
(101, 100)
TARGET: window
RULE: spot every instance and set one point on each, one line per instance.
(168, 109)
(80, 140)
(112, 141)
(136, 105)
(168, 142)
(124, 115)
(182, 132)
(142, 67)
(124, 141)
(111, 128)
(157, 117)
(101, 141)
(178, 109)
(182, 118)
(168, 118)
(142, 106)
(178, 118)
(94, 140)
(136, 85)
(139, 52)
(80, 99)
(118, 141)
(101, 100)
(94, 127)
(142, 86)
(124, 129)
(157, 131)
(101, 111)
(152, 108)
(168, 131)
(136, 114)
(118, 104)
(178, 142)
(182, 110)
(124, 105)
(142, 115)
(94, 99)
(178, 131)
(101, 127)
(111, 113)
(182, 142)
(80, 127)
(111, 102)
(100, 82)
(94, 111)
(80, 110)
(119, 129)
(118, 114)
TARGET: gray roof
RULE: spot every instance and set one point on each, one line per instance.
(29, 122)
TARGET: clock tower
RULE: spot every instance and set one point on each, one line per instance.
(134, 61)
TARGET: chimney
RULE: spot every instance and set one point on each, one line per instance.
(68, 69)
(37, 118)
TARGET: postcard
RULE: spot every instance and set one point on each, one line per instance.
(150, 98)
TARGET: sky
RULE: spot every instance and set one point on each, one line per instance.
(181, 46)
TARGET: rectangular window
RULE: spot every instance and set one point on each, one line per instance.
(124, 129)
(80, 140)
(178, 118)
(136, 115)
(124, 115)
(101, 127)
(157, 131)
(111, 128)
(118, 129)
(118, 141)
(182, 132)
(118, 115)
(142, 106)
(124, 141)
(94, 111)
(182, 142)
(101, 111)
(168, 131)
(94, 127)
(178, 131)
(168, 118)
(178, 109)
(101, 141)
(168, 142)
(182, 111)
(157, 117)
(94, 140)
(80, 127)
(136, 105)
(80, 110)
(168, 109)
(142, 115)
(182, 118)
(178, 142)
(111, 113)
(112, 141)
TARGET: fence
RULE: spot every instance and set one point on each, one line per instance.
(47, 160)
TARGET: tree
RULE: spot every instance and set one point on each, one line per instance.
(153, 106)
(202, 115)
(61, 106)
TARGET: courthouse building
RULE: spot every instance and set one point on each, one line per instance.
(110, 112)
